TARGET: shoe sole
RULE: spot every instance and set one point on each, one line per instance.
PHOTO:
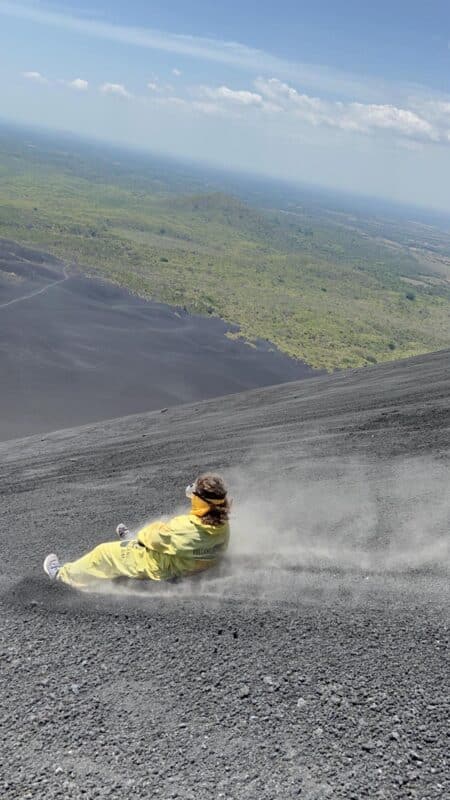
(46, 566)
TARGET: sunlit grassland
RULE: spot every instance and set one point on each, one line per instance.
(330, 296)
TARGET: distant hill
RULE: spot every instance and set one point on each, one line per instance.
(330, 287)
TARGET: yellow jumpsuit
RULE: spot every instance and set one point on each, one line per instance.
(162, 550)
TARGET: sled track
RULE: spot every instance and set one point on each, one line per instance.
(37, 292)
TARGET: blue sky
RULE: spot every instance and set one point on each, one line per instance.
(350, 95)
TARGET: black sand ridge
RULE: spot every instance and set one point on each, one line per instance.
(314, 666)
(75, 350)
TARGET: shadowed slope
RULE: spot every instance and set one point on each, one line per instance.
(76, 350)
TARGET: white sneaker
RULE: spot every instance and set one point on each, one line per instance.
(52, 566)
(123, 532)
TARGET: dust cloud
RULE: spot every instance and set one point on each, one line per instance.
(332, 529)
(342, 515)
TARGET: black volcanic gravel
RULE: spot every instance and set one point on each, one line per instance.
(336, 689)
(83, 350)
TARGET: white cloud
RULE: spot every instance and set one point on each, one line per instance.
(273, 97)
(436, 111)
(176, 72)
(353, 116)
(233, 102)
(34, 76)
(388, 117)
(117, 89)
(319, 77)
(79, 84)
(336, 100)
(242, 97)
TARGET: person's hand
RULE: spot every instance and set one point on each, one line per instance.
(123, 532)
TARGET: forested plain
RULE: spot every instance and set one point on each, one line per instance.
(330, 288)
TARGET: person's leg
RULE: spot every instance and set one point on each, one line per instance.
(106, 561)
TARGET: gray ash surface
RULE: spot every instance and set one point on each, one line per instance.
(75, 350)
(314, 665)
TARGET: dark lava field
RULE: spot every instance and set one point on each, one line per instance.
(75, 350)
(314, 665)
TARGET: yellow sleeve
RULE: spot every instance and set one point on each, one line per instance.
(157, 536)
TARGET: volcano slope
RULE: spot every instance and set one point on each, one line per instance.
(75, 350)
(314, 666)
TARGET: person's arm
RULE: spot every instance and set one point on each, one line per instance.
(158, 536)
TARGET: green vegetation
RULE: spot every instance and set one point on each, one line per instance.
(320, 290)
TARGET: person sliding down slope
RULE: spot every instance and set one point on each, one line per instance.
(160, 551)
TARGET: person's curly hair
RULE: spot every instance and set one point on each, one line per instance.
(211, 488)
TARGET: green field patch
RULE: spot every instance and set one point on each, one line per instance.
(318, 290)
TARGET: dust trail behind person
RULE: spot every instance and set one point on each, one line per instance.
(161, 551)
